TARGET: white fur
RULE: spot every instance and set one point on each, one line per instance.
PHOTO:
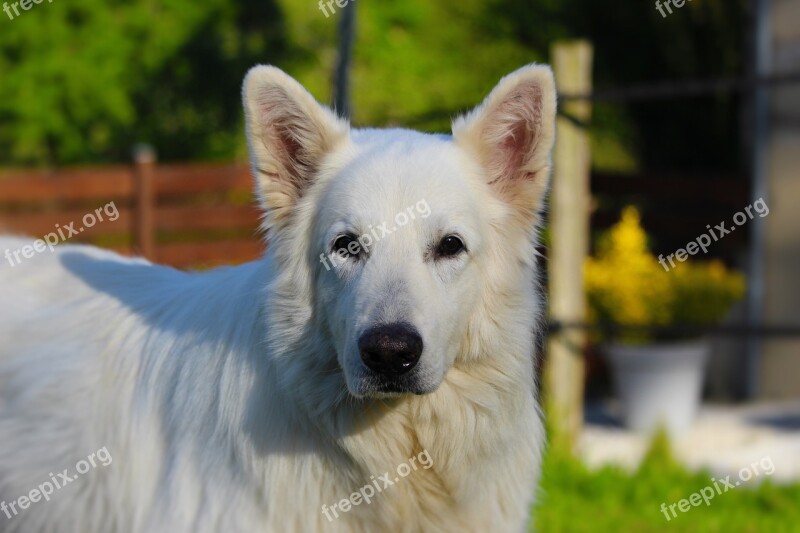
(235, 401)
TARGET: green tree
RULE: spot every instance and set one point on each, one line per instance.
(83, 81)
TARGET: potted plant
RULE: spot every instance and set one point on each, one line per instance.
(658, 380)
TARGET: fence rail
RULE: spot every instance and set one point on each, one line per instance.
(186, 215)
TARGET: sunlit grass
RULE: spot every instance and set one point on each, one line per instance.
(574, 498)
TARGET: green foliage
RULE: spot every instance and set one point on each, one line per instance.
(574, 498)
(704, 292)
(82, 82)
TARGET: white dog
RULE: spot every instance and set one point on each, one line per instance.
(357, 357)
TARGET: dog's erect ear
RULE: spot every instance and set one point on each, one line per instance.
(288, 134)
(512, 134)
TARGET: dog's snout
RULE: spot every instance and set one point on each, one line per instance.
(391, 349)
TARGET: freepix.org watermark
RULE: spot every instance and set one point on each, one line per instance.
(704, 241)
(677, 3)
(379, 484)
(24, 4)
(61, 234)
(363, 243)
(719, 487)
(57, 481)
(330, 3)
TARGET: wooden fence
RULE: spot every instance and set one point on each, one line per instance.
(200, 215)
(188, 215)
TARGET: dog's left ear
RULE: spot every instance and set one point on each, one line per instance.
(288, 134)
(512, 133)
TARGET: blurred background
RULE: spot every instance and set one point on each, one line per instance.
(674, 117)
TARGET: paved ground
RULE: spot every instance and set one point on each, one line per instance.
(724, 439)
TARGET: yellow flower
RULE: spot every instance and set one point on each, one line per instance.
(626, 285)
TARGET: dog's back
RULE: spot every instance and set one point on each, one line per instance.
(91, 358)
(54, 329)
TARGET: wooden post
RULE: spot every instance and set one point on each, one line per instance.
(144, 158)
(569, 230)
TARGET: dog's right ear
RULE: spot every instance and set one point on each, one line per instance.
(288, 135)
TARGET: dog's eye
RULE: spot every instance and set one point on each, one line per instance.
(347, 246)
(450, 246)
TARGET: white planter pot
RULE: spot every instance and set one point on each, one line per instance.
(659, 385)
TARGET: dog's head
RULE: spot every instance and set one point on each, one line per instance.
(398, 239)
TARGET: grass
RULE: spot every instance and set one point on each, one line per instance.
(576, 499)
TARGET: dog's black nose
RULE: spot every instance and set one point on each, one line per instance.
(391, 349)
